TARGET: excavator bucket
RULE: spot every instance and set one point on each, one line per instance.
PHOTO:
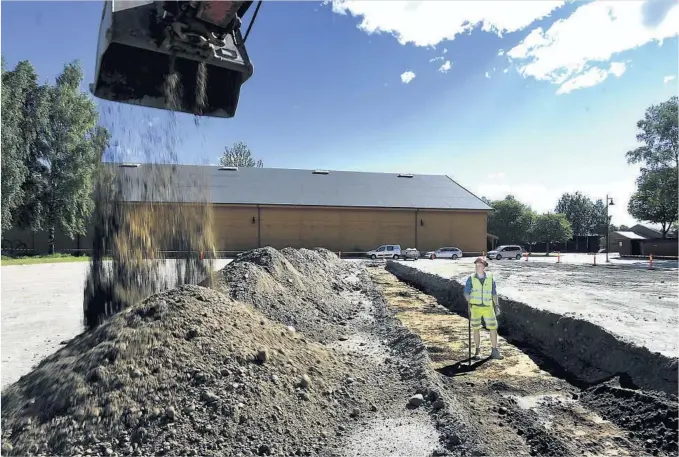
(185, 56)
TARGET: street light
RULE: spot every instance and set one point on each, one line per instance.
(609, 202)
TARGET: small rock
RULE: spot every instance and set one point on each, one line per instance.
(189, 409)
(209, 397)
(438, 404)
(262, 356)
(136, 373)
(170, 413)
(291, 329)
(193, 333)
(264, 449)
(304, 396)
(304, 381)
(355, 412)
(373, 408)
(416, 400)
(502, 410)
(109, 451)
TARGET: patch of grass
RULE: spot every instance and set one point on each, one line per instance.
(54, 258)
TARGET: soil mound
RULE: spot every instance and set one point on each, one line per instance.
(650, 417)
(306, 289)
(187, 372)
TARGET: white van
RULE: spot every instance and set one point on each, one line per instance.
(386, 251)
(510, 251)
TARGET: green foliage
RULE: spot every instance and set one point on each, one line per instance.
(54, 129)
(510, 220)
(239, 155)
(660, 137)
(656, 198)
(579, 211)
(19, 119)
(552, 228)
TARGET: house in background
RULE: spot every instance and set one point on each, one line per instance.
(642, 240)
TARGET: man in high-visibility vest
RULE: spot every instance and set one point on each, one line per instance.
(481, 294)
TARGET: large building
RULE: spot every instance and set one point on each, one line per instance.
(339, 210)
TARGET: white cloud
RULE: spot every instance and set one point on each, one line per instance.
(501, 52)
(445, 50)
(429, 23)
(407, 76)
(669, 78)
(594, 33)
(434, 59)
(505, 70)
(445, 67)
(591, 78)
(487, 75)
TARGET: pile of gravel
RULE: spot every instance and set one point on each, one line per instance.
(185, 372)
(302, 288)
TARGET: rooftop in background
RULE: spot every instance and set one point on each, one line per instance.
(281, 186)
(630, 235)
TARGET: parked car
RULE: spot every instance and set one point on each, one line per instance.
(411, 253)
(510, 251)
(445, 253)
(386, 251)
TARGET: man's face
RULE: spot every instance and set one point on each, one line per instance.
(480, 268)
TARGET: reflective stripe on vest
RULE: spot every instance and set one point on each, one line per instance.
(482, 294)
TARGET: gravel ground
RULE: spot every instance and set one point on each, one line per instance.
(190, 371)
(36, 319)
(635, 304)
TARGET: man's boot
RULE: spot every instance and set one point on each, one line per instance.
(495, 354)
(477, 354)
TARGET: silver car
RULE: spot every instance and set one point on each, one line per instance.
(445, 253)
(411, 253)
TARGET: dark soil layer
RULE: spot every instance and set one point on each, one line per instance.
(584, 353)
(649, 416)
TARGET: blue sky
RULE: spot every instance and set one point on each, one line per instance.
(533, 98)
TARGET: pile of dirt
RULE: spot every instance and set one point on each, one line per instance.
(650, 417)
(302, 288)
(186, 372)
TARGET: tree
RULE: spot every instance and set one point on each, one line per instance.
(599, 222)
(660, 137)
(510, 220)
(552, 228)
(656, 198)
(62, 161)
(580, 213)
(239, 155)
(19, 118)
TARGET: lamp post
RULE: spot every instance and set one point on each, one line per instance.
(609, 202)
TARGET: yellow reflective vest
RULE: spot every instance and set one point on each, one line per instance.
(482, 294)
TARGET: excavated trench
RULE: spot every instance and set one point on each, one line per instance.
(565, 387)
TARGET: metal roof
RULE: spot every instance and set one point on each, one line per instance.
(631, 235)
(281, 186)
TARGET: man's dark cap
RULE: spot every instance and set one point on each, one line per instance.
(481, 260)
